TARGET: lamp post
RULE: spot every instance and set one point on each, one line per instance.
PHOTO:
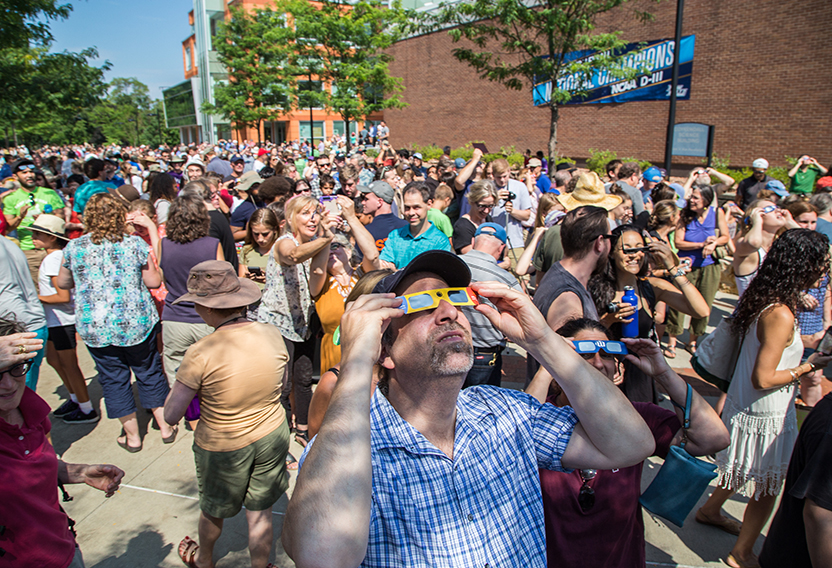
(671, 118)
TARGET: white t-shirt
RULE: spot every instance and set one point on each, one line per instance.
(522, 202)
(57, 315)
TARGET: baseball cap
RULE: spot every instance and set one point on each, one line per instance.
(236, 159)
(262, 152)
(20, 163)
(446, 265)
(777, 187)
(535, 163)
(247, 180)
(652, 175)
(459, 163)
(492, 229)
(760, 163)
(380, 188)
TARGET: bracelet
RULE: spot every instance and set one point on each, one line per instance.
(811, 369)
(793, 373)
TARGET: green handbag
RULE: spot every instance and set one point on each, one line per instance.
(680, 482)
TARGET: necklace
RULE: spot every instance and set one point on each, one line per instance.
(232, 320)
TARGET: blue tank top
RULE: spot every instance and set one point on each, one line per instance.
(697, 232)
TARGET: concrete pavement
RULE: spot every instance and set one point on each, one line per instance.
(157, 506)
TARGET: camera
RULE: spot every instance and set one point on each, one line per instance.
(611, 308)
(511, 196)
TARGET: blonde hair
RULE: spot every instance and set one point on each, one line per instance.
(479, 190)
(294, 206)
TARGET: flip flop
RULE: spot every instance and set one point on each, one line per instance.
(669, 352)
(187, 553)
(172, 438)
(126, 446)
(291, 462)
(728, 525)
(691, 348)
(738, 564)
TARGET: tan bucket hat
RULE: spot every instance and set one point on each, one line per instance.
(214, 284)
(589, 191)
(49, 224)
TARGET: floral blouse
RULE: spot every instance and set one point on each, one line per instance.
(112, 304)
(287, 303)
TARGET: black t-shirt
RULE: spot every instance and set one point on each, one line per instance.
(382, 226)
(464, 230)
(220, 229)
(748, 189)
(809, 477)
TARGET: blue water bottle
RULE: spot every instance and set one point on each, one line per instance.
(630, 329)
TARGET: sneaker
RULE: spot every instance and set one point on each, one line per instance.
(78, 417)
(68, 407)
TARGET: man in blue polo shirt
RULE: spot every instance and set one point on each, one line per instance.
(420, 235)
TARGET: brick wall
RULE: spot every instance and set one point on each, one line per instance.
(758, 75)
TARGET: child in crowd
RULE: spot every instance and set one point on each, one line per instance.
(48, 233)
(442, 198)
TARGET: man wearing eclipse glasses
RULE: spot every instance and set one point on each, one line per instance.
(420, 473)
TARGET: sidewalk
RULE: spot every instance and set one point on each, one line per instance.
(157, 506)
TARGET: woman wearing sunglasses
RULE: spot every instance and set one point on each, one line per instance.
(628, 266)
(593, 517)
(758, 228)
(702, 227)
(482, 195)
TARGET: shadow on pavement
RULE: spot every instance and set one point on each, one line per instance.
(146, 549)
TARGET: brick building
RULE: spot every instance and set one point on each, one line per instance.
(759, 76)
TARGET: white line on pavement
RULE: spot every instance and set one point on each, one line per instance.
(160, 492)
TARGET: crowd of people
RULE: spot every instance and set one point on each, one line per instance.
(216, 277)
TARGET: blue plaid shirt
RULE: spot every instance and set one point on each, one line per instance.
(482, 508)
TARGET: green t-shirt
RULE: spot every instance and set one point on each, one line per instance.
(441, 221)
(549, 250)
(40, 198)
(804, 182)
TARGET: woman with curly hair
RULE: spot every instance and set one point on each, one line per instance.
(759, 410)
(111, 272)
(185, 245)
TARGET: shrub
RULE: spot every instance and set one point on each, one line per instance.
(598, 160)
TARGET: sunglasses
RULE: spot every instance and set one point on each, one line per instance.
(31, 199)
(18, 370)
(26, 167)
(586, 497)
(609, 349)
(482, 207)
(429, 299)
(634, 250)
(769, 209)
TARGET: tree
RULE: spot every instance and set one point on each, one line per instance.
(344, 45)
(255, 49)
(519, 44)
(22, 25)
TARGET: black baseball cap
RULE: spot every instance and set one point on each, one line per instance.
(446, 265)
(20, 163)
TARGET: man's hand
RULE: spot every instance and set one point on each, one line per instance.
(104, 477)
(808, 302)
(517, 318)
(503, 193)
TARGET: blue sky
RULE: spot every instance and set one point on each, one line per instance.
(140, 38)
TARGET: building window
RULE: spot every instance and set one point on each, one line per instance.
(308, 91)
(189, 59)
(319, 130)
(339, 129)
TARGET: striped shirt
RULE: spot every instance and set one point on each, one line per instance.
(484, 268)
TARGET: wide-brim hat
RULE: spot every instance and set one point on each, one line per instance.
(126, 193)
(247, 180)
(589, 190)
(49, 224)
(215, 284)
(446, 265)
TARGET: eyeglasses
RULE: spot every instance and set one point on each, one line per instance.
(759, 171)
(610, 349)
(18, 370)
(586, 498)
(429, 299)
(483, 207)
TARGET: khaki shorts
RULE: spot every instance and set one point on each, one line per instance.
(254, 476)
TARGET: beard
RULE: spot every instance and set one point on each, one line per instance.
(601, 265)
(451, 359)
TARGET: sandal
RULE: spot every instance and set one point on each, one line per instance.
(126, 446)
(187, 550)
(302, 437)
(691, 348)
(172, 438)
(291, 462)
(669, 352)
(737, 564)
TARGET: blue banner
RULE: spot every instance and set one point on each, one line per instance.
(653, 59)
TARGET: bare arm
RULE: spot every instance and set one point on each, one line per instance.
(525, 260)
(328, 518)
(539, 385)
(748, 243)
(567, 306)
(177, 403)
(682, 296)
(60, 296)
(793, 171)
(64, 279)
(465, 173)
(220, 254)
(288, 253)
(611, 434)
(818, 523)
(365, 241)
(707, 434)
(105, 477)
(317, 268)
(724, 178)
(320, 401)
(151, 276)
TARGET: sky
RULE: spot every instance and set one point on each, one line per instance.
(140, 38)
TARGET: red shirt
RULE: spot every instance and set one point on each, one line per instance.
(37, 533)
(611, 533)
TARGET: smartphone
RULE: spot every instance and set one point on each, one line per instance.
(825, 345)
(480, 146)
(330, 204)
(686, 261)
(256, 270)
